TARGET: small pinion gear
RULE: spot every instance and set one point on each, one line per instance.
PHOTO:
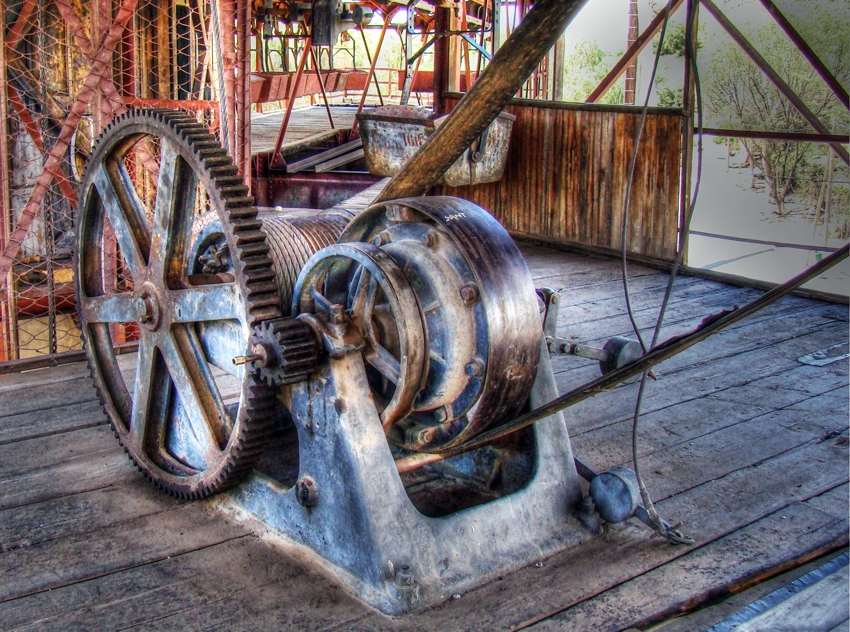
(284, 351)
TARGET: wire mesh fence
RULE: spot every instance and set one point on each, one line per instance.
(70, 69)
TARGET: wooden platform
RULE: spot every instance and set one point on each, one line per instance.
(741, 442)
(305, 123)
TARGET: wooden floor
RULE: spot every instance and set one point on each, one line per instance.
(741, 442)
(304, 123)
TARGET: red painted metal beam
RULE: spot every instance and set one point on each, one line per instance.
(56, 154)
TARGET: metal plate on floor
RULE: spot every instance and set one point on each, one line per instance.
(827, 356)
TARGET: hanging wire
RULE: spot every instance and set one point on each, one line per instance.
(663, 528)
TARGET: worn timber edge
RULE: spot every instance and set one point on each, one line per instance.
(666, 266)
(578, 107)
(56, 359)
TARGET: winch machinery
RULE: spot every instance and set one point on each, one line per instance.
(294, 358)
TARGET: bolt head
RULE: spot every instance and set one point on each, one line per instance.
(337, 313)
(474, 369)
(306, 492)
(469, 294)
(441, 414)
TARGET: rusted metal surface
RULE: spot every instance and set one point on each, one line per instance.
(478, 300)
(519, 55)
(290, 103)
(663, 351)
(310, 190)
(192, 429)
(566, 176)
(56, 155)
(292, 241)
(393, 134)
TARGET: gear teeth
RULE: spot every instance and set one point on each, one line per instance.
(293, 347)
(253, 268)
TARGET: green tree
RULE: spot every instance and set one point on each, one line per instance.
(584, 68)
(740, 96)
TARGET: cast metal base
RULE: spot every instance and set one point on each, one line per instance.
(350, 507)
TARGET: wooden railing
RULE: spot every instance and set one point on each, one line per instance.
(566, 174)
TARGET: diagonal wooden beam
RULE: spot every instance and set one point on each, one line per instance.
(778, 81)
(512, 64)
(808, 53)
(54, 158)
(631, 54)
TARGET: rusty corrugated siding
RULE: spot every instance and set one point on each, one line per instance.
(566, 177)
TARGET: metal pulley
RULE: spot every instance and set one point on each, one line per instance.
(447, 312)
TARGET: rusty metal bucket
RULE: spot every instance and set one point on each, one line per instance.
(392, 134)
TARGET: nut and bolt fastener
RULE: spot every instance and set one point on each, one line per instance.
(473, 369)
(404, 577)
(381, 238)
(306, 492)
(337, 313)
(441, 414)
(469, 294)
(430, 239)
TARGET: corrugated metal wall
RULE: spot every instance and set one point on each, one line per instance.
(566, 177)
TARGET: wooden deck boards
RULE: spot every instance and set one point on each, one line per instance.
(304, 123)
(740, 441)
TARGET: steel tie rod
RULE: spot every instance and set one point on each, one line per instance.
(663, 351)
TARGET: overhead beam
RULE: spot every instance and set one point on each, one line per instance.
(512, 64)
(808, 53)
(631, 54)
(777, 80)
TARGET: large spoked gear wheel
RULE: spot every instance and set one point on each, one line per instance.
(191, 421)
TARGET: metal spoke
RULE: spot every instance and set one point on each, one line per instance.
(197, 390)
(364, 295)
(164, 215)
(384, 362)
(206, 303)
(113, 308)
(143, 391)
(126, 214)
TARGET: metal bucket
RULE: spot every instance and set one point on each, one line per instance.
(392, 135)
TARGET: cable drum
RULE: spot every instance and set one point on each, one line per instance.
(293, 240)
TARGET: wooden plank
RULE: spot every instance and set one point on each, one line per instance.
(782, 540)
(38, 377)
(68, 516)
(58, 419)
(243, 583)
(82, 556)
(340, 161)
(59, 465)
(823, 606)
(696, 381)
(566, 174)
(47, 396)
(693, 421)
(312, 161)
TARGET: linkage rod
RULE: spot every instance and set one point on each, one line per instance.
(665, 350)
